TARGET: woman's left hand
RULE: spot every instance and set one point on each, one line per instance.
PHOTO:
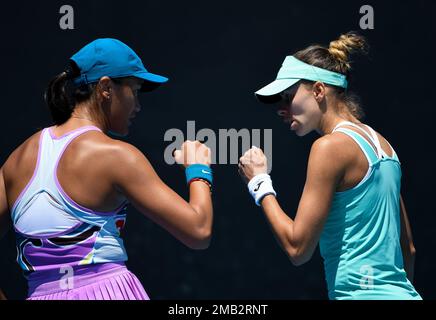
(252, 163)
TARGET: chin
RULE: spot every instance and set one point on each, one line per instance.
(301, 132)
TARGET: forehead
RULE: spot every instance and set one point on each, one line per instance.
(287, 95)
(290, 91)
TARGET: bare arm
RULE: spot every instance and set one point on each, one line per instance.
(406, 241)
(4, 208)
(4, 215)
(299, 237)
(191, 223)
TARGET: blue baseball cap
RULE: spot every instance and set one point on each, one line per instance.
(112, 58)
(294, 70)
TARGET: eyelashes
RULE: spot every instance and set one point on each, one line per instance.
(282, 113)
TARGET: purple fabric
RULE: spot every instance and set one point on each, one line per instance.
(81, 244)
(49, 255)
(70, 132)
(108, 281)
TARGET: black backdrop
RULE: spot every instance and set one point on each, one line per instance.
(216, 54)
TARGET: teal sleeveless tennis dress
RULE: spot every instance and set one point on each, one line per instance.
(360, 242)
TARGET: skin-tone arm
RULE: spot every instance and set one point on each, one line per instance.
(4, 215)
(407, 246)
(299, 237)
(190, 222)
(4, 209)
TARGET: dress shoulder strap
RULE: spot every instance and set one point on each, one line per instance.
(364, 145)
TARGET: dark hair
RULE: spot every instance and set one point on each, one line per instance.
(62, 95)
(336, 58)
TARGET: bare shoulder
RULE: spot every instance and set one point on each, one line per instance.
(112, 151)
(131, 162)
(122, 163)
(331, 147)
(98, 155)
(330, 156)
(25, 152)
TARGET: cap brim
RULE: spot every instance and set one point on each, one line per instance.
(152, 81)
(270, 93)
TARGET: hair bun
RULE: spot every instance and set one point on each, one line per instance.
(347, 44)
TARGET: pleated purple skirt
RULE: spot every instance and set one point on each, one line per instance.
(107, 281)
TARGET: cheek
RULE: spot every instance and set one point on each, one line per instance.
(129, 102)
(119, 116)
(118, 109)
(296, 108)
(124, 106)
(306, 111)
(300, 105)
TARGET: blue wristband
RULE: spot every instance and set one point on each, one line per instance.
(199, 171)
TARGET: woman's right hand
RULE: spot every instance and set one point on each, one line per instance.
(193, 152)
(252, 163)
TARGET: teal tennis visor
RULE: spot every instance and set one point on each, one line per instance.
(294, 70)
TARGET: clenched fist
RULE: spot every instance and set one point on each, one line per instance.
(193, 152)
(252, 163)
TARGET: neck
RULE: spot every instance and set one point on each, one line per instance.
(84, 115)
(331, 119)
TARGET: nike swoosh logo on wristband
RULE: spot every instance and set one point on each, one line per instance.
(204, 171)
(257, 187)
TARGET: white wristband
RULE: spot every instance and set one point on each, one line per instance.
(260, 186)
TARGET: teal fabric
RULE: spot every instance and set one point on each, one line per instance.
(293, 68)
(360, 243)
(200, 171)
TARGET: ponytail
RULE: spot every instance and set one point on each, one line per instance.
(61, 95)
(58, 98)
